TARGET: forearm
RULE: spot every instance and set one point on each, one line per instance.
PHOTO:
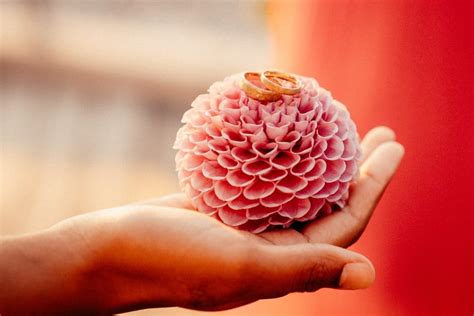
(80, 266)
(44, 273)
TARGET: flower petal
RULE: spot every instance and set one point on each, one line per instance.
(213, 130)
(256, 167)
(261, 211)
(327, 190)
(316, 205)
(303, 146)
(234, 138)
(219, 145)
(202, 207)
(238, 178)
(351, 171)
(200, 182)
(277, 198)
(241, 202)
(350, 149)
(265, 150)
(338, 195)
(295, 208)
(317, 171)
(276, 131)
(212, 170)
(304, 166)
(335, 149)
(326, 130)
(227, 161)
(192, 162)
(291, 184)
(311, 189)
(191, 192)
(287, 141)
(319, 148)
(259, 189)
(334, 170)
(255, 226)
(285, 160)
(277, 219)
(273, 175)
(243, 155)
(258, 136)
(211, 199)
(225, 191)
(232, 217)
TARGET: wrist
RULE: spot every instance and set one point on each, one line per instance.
(109, 279)
(85, 244)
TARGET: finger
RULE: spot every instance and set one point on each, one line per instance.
(343, 228)
(376, 174)
(309, 267)
(177, 200)
(374, 138)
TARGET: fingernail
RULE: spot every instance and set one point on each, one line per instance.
(356, 276)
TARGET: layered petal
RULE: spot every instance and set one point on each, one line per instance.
(255, 165)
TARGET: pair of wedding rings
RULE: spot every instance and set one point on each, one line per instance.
(271, 89)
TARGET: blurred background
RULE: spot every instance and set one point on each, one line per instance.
(92, 93)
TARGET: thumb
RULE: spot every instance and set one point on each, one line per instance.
(309, 267)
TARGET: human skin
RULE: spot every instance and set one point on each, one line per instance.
(160, 253)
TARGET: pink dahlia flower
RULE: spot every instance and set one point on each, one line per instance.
(254, 164)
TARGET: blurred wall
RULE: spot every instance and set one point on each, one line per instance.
(408, 65)
(92, 94)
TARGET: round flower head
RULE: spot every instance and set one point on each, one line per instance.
(256, 164)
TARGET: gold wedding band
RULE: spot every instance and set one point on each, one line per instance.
(254, 91)
(272, 84)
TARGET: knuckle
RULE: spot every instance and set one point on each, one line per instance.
(312, 274)
(356, 225)
(374, 180)
(323, 272)
(309, 277)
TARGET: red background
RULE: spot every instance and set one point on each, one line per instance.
(407, 65)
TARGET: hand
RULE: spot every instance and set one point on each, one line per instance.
(159, 253)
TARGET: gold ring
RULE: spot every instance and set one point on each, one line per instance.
(272, 84)
(254, 91)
